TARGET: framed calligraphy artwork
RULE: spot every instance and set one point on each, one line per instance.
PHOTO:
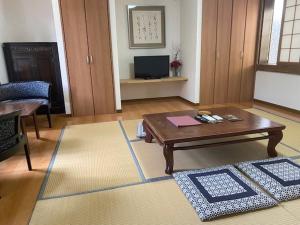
(146, 26)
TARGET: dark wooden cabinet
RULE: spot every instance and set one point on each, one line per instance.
(36, 61)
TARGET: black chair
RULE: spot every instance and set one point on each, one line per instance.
(11, 137)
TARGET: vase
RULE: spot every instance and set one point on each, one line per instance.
(176, 72)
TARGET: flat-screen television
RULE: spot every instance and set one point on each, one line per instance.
(151, 67)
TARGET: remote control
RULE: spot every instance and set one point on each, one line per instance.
(209, 118)
(201, 119)
(219, 118)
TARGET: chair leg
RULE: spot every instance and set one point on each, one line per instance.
(49, 117)
(27, 157)
(37, 131)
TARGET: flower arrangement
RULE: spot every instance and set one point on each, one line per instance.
(176, 64)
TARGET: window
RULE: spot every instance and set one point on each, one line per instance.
(290, 39)
(280, 36)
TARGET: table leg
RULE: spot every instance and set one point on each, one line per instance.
(274, 139)
(37, 132)
(169, 157)
(149, 137)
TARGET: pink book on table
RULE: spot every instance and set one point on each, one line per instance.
(183, 121)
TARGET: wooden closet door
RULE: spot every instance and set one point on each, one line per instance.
(237, 50)
(97, 18)
(249, 62)
(208, 51)
(223, 51)
(76, 44)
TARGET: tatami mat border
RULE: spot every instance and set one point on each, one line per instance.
(144, 180)
(50, 166)
(136, 162)
(152, 180)
(42, 190)
(296, 157)
(295, 149)
(136, 140)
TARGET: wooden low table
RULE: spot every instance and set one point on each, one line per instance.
(168, 135)
(27, 110)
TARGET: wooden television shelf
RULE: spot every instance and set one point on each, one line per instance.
(143, 81)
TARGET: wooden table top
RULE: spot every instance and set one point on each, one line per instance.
(166, 132)
(27, 109)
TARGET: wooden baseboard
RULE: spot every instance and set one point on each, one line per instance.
(187, 101)
(159, 99)
(260, 102)
(292, 114)
(151, 99)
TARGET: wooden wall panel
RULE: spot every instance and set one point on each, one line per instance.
(223, 50)
(100, 49)
(248, 75)
(76, 44)
(236, 50)
(208, 51)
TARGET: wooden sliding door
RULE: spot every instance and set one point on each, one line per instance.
(248, 74)
(97, 20)
(208, 51)
(88, 47)
(237, 49)
(223, 50)
(229, 34)
(76, 45)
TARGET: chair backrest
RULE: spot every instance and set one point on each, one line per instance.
(10, 134)
(24, 90)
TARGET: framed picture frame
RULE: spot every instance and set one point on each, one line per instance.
(146, 26)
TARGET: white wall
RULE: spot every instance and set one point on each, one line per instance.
(154, 90)
(125, 55)
(172, 10)
(39, 20)
(278, 88)
(62, 55)
(115, 56)
(191, 21)
(22, 21)
(183, 27)
(3, 74)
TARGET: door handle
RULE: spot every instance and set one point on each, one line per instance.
(88, 60)
(91, 59)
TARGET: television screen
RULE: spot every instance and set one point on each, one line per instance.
(151, 67)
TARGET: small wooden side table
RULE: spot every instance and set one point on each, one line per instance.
(27, 110)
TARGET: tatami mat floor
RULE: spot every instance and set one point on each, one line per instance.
(100, 160)
(156, 203)
(111, 177)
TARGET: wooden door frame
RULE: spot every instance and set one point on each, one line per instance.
(66, 58)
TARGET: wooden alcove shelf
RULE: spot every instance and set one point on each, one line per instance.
(162, 80)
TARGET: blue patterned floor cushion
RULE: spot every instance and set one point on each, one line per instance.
(278, 176)
(221, 191)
